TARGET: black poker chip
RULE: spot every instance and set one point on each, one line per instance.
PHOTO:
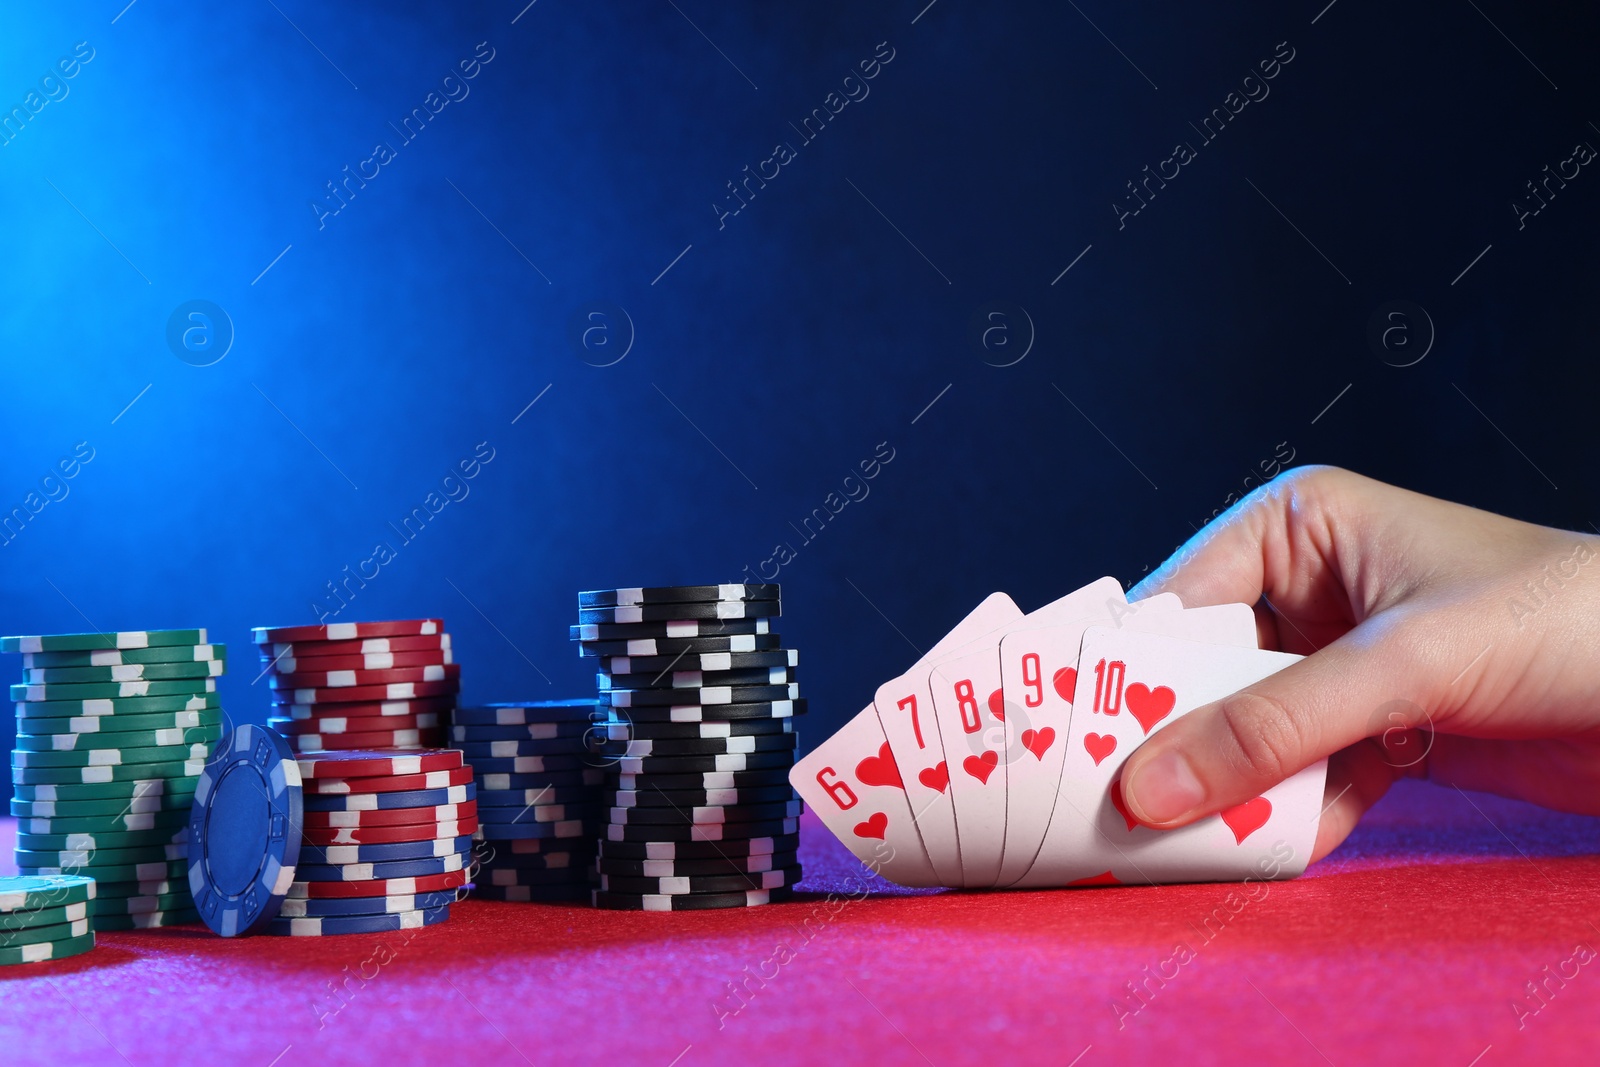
(694, 798)
(704, 833)
(689, 679)
(775, 844)
(534, 894)
(620, 729)
(700, 696)
(652, 646)
(769, 709)
(705, 746)
(679, 885)
(576, 860)
(679, 594)
(703, 780)
(710, 815)
(628, 631)
(622, 663)
(770, 861)
(689, 901)
(739, 761)
(526, 731)
(706, 609)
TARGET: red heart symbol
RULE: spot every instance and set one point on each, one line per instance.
(1039, 741)
(1148, 705)
(1122, 808)
(880, 769)
(935, 777)
(997, 704)
(1248, 817)
(1098, 879)
(1099, 746)
(1066, 683)
(875, 826)
(980, 767)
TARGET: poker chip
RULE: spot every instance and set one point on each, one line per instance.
(430, 738)
(540, 813)
(704, 780)
(689, 902)
(730, 814)
(535, 712)
(682, 646)
(146, 920)
(106, 707)
(166, 737)
(695, 798)
(502, 851)
(361, 764)
(673, 614)
(106, 757)
(522, 894)
(122, 822)
(141, 904)
(366, 872)
(505, 783)
(530, 731)
(733, 761)
(772, 709)
(144, 787)
(23, 920)
(698, 850)
(367, 646)
(324, 907)
(47, 950)
(153, 871)
(127, 672)
(356, 725)
(702, 696)
(478, 751)
(695, 679)
(347, 631)
(325, 837)
(20, 896)
(392, 783)
(678, 594)
(680, 628)
(392, 817)
(510, 830)
(361, 693)
(285, 664)
(120, 657)
(680, 885)
(149, 887)
(622, 730)
(390, 801)
(580, 855)
(130, 772)
(105, 841)
(533, 876)
(688, 832)
(313, 856)
(705, 746)
(245, 831)
(492, 800)
(87, 860)
(112, 690)
(770, 861)
(620, 663)
(358, 679)
(487, 765)
(386, 887)
(376, 710)
(174, 803)
(87, 642)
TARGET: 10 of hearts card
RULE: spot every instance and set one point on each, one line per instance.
(995, 761)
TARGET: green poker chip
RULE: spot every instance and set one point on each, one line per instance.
(119, 823)
(114, 725)
(170, 737)
(150, 887)
(33, 893)
(112, 690)
(111, 706)
(75, 792)
(66, 913)
(118, 809)
(86, 642)
(127, 772)
(35, 935)
(118, 657)
(109, 757)
(127, 672)
(87, 860)
(137, 905)
(146, 920)
(152, 871)
(47, 950)
(115, 840)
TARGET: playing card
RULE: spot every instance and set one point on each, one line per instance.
(1129, 685)
(1039, 677)
(969, 711)
(853, 785)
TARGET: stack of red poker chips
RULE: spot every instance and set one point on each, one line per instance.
(360, 685)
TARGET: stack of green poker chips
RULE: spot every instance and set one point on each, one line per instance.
(113, 730)
(45, 918)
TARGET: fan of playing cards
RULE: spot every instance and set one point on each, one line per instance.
(995, 761)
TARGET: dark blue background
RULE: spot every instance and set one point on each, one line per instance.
(1204, 338)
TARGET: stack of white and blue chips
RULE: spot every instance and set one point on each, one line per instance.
(113, 730)
(701, 698)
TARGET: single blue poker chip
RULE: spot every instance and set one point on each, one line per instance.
(358, 924)
(369, 872)
(323, 907)
(379, 853)
(244, 831)
(415, 798)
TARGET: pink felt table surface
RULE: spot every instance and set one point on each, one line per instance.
(1409, 945)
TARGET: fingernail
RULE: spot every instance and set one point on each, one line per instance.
(1164, 789)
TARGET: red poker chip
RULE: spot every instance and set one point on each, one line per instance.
(377, 762)
(375, 661)
(336, 724)
(365, 647)
(422, 739)
(366, 693)
(337, 679)
(384, 887)
(386, 835)
(386, 783)
(347, 631)
(385, 817)
(367, 709)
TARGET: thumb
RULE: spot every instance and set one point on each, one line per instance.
(1235, 749)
